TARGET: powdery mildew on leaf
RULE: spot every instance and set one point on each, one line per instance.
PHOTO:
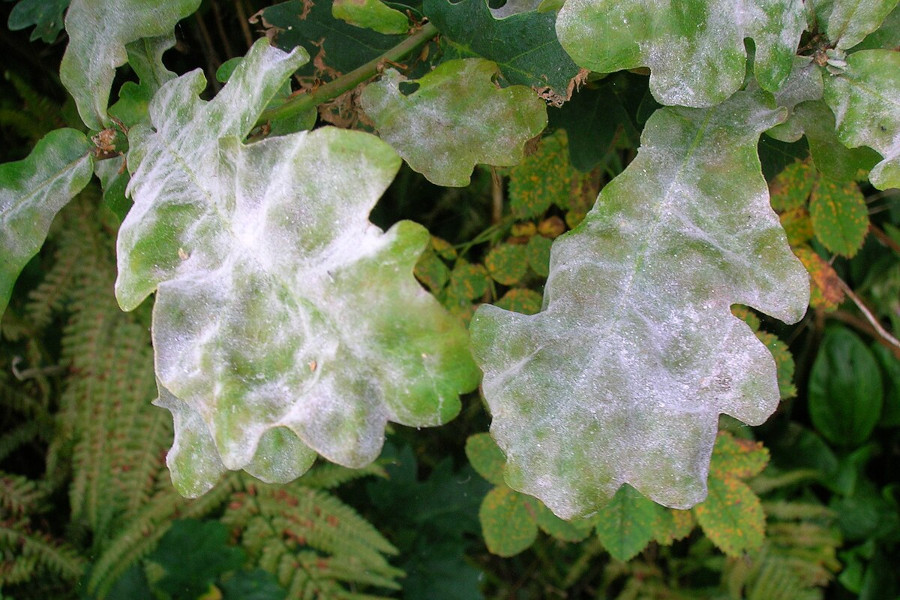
(32, 191)
(98, 33)
(455, 119)
(847, 22)
(622, 376)
(694, 48)
(285, 323)
(865, 99)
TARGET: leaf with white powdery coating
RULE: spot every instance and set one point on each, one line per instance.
(455, 119)
(865, 99)
(285, 323)
(694, 48)
(847, 22)
(32, 191)
(622, 377)
(98, 33)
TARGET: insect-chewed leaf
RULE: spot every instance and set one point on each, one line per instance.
(839, 215)
(865, 99)
(626, 525)
(523, 45)
(98, 32)
(32, 191)
(455, 119)
(695, 49)
(847, 22)
(507, 521)
(622, 377)
(285, 322)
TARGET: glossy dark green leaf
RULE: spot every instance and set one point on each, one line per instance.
(523, 45)
(890, 365)
(845, 389)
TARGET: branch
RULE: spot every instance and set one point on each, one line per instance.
(344, 83)
(880, 332)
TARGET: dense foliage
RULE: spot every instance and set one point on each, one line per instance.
(653, 249)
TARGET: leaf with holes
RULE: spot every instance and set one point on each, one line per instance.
(622, 376)
(839, 215)
(865, 99)
(32, 191)
(456, 118)
(98, 34)
(694, 49)
(285, 323)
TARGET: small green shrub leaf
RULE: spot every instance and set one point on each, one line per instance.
(284, 322)
(567, 531)
(845, 393)
(486, 457)
(507, 521)
(732, 516)
(455, 119)
(637, 334)
(432, 271)
(890, 415)
(469, 281)
(521, 300)
(541, 179)
(734, 457)
(840, 217)
(847, 22)
(45, 15)
(626, 525)
(507, 263)
(98, 33)
(791, 188)
(371, 14)
(865, 99)
(523, 45)
(784, 363)
(694, 49)
(538, 250)
(32, 191)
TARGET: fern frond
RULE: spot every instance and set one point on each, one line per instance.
(41, 110)
(328, 475)
(19, 436)
(19, 495)
(39, 552)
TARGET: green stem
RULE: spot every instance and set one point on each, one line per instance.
(344, 83)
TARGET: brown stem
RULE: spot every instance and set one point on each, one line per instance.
(245, 23)
(217, 13)
(884, 238)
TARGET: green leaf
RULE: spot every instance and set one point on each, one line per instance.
(831, 157)
(541, 179)
(145, 57)
(523, 45)
(98, 33)
(370, 14)
(784, 363)
(732, 516)
(567, 531)
(469, 281)
(890, 365)
(734, 457)
(252, 585)
(284, 322)
(486, 457)
(455, 119)
(432, 271)
(887, 36)
(538, 250)
(623, 375)
(507, 263)
(521, 300)
(694, 49)
(32, 191)
(845, 393)
(626, 525)
(840, 217)
(865, 99)
(792, 187)
(847, 22)
(507, 522)
(45, 15)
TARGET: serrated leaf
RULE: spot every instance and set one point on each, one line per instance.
(523, 45)
(845, 390)
(455, 119)
(694, 49)
(541, 179)
(486, 457)
(626, 525)
(798, 226)
(337, 47)
(370, 14)
(521, 300)
(469, 281)
(825, 286)
(538, 250)
(98, 33)
(847, 22)
(278, 305)
(32, 191)
(672, 525)
(566, 531)
(45, 15)
(732, 516)
(784, 363)
(636, 334)
(507, 522)
(735, 457)
(507, 263)
(791, 188)
(865, 99)
(839, 216)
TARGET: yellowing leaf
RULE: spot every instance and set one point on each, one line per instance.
(543, 178)
(456, 118)
(507, 263)
(839, 216)
(732, 516)
(791, 188)
(622, 377)
(285, 323)
(486, 457)
(507, 521)
(825, 286)
(521, 300)
(734, 457)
